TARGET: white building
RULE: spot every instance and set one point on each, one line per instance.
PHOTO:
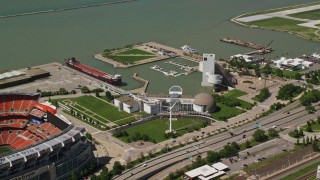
(292, 63)
(207, 67)
(204, 102)
(205, 172)
(127, 104)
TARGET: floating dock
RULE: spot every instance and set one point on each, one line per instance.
(167, 73)
(260, 49)
(181, 66)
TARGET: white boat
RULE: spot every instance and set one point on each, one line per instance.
(188, 49)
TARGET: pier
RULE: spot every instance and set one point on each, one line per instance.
(168, 73)
(144, 87)
(66, 9)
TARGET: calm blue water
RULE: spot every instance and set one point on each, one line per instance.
(39, 39)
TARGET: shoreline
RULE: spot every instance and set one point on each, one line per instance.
(234, 20)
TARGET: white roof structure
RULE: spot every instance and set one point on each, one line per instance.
(292, 62)
(220, 166)
(247, 58)
(203, 171)
(212, 176)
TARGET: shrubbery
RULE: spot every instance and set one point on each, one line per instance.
(289, 91)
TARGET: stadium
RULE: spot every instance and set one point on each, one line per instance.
(37, 143)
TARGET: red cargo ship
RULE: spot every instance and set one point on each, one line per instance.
(110, 79)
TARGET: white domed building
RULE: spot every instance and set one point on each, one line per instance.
(204, 102)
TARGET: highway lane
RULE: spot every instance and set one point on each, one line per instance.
(212, 143)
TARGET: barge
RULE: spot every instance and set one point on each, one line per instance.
(105, 77)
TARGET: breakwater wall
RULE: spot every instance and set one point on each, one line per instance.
(66, 9)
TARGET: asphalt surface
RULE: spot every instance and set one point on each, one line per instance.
(279, 118)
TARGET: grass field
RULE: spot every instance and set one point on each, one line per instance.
(156, 129)
(98, 109)
(314, 15)
(234, 93)
(224, 112)
(288, 25)
(127, 58)
(315, 127)
(135, 52)
(4, 149)
(280, 9)
(301, 172)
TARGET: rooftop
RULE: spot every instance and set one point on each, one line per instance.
(127, 100)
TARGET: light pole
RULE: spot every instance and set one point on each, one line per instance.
(170, 119)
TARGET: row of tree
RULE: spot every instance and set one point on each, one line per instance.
(61, 91)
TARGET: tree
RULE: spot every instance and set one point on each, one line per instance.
(85, 90)
(298, 141)
(93, 177)
(213, 157)
(318, 119)
(307, 140)
(315, 138)
(310, 109)
(309, 128)
(315, 146)
(260, 136)
(248, 144)
(263, 95)
(89, 136)
(303, 142)
(278, 73)
(117, 168)
(235, 145)
(272, 132)
(74, 176)
(301, 133)
(104, 175)
(266, 69)
(289, 91)
(108, 94)
(97, 94)
(73, 92)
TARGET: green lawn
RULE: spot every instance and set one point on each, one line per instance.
(234, 93)
(135, 51)
(4, 149)
(315, 127)
(156, 129)
(224, 112)
(100, 107)
(301, 172)
(287, 25)
(314, 15)
(127, 58)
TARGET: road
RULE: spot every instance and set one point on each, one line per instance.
(159, 163)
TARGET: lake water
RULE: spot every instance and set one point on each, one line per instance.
(39, 39)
